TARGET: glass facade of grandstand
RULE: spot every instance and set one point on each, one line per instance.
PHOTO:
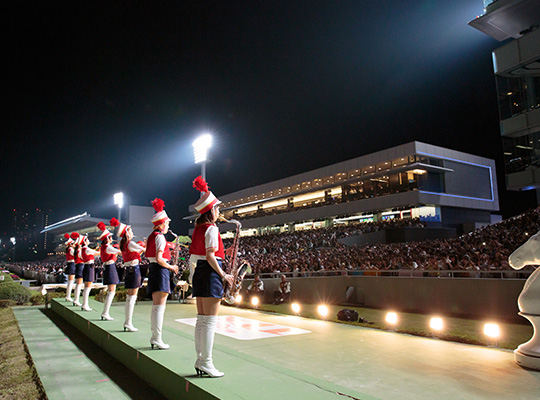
(410, 173)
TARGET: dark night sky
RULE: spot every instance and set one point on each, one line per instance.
(108, 96)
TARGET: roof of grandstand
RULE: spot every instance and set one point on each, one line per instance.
(71, 224)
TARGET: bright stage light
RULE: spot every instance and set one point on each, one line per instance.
(436, 324)
(391, 318)
(322, 310)
(295, 308)
(492, 330)
(238, 299)
(255, 301)
(201, 146)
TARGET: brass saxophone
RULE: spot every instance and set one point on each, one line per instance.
(231, 292)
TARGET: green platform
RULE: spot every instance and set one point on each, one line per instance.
(333, 361)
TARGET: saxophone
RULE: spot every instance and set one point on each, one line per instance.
(231, 292)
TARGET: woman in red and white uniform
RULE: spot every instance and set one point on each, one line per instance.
(88, 255)
(70, 266)
(207, 253)
(79, 266)
(159, 255)
(131, 254)
(108, 254)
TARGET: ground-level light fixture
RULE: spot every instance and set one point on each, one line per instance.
(295, 307)
(391, 319)
(322, 310)
(255, 301)
(436, 324)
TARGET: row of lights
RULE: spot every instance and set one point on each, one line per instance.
(491, 330)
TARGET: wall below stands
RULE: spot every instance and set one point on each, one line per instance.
(465, 297)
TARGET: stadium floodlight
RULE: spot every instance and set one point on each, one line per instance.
(13, 241)
(119, 199)
(200, 151)
(201, 146)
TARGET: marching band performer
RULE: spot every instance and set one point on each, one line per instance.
(89, 272)
(159, 255)
(207, 253)
(79, 266)
(131, 253)
(108, 255)
(70, 266)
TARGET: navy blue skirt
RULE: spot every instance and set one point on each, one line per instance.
(110, 275)
(79, 271)
(158, 279)
(206, 281)
(133, 278)
(70, 268)
(88, 273)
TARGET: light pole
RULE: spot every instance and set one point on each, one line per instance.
(200, 151)
(119, 201)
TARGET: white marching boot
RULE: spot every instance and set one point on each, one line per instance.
(206, 366)
(130, 305)
(69, 289)
(198, 331)
(158, 311)
(78, 288)
(86, 295)
(107, 306)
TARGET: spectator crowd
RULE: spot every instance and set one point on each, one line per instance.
(301, 253)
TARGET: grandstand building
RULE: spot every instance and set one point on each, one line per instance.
(414, 180)
(517, 71)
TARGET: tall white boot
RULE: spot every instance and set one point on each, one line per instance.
(69, 289)
(207, 344)
(78, 288)
(107, 306)
(158, 312)
(130, 305)
(86, 295)
(198, 332)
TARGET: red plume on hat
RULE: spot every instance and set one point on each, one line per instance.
(66, 235)
(114, 222)
(74, 235)
(158, 204)
(200, 184)
(101, 226)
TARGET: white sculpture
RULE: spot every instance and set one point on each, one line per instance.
(528, 354)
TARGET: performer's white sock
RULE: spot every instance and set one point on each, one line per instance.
(108, 301)
(160, 313)
(69, 288)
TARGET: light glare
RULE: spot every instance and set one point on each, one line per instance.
(436, 324)
(119, 199)
(492, 330)
(391, 318)
(295, 307)
(322, 310)
(201, 146)
(255, 301)
(238, 299)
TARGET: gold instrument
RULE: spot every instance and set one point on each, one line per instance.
(230, 292)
